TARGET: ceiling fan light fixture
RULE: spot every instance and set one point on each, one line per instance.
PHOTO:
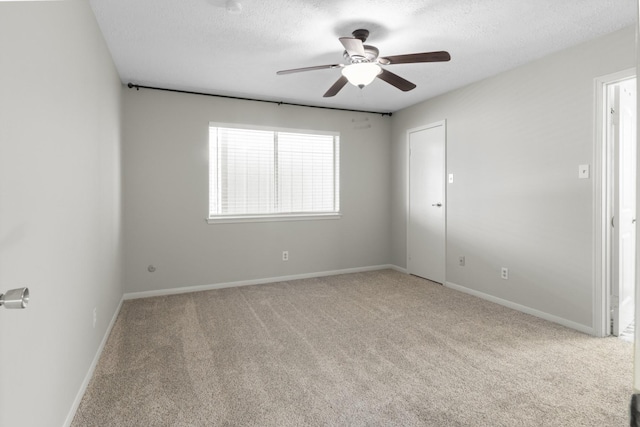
(362, 73)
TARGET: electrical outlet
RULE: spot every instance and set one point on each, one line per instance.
(583, 171)
(285, 255)
(504, 273)
(95, 316)
(461, 261)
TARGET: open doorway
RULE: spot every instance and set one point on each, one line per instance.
(619, 135)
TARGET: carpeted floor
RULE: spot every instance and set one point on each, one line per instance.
(368, 349)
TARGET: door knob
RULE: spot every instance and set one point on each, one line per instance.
(437, 204)
(15, 298)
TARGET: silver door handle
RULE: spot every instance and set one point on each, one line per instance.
(437, 204)
(15, 298)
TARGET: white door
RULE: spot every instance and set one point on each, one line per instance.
(623, 131)
(426, 219)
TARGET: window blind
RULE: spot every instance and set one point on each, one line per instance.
(269, 173)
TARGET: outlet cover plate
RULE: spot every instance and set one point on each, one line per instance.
(583, 171)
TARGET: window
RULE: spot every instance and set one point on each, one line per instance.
(258, 174)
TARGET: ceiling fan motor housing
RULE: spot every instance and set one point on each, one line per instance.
(361, 34)
(370, 55)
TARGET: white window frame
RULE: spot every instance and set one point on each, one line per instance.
(294, 216)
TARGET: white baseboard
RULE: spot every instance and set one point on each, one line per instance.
(187, 289)
(523, 308)
(92, 368)
(399, 269)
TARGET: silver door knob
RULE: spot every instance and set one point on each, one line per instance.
(437, 204)
(15, 298)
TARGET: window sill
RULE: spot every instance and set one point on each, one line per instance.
(272, 218)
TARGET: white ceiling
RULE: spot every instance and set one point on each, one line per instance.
(196, 45)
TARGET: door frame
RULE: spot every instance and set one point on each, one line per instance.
(602, 266)
(442, 123)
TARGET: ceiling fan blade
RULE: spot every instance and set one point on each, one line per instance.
(339, 84)
(396, 80)
(317, 67)
(411, 58)
(353, 46)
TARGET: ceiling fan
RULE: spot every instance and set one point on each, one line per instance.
(364, 64)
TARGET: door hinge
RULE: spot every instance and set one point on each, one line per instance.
(613, 310)
(611, 326)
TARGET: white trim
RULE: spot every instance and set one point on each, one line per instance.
(523, 308)
(92, 368)
(601, 232)
(442, 123)
(636, 335)
(188, 289)
(600, 262)
(398, 269)
(271, 218)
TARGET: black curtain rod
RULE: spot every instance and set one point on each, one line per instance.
(138, 87)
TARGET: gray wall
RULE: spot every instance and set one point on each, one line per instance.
(165, 174)
(60, 231)
(514, 143)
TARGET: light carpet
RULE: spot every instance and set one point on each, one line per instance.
(379, 348)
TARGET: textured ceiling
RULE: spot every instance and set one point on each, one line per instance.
(196, 45)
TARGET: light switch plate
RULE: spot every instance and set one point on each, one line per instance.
(583, 171)
(450, 178)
